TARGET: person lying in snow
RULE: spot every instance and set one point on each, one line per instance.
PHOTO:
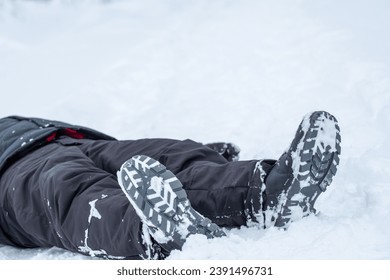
(84, 191)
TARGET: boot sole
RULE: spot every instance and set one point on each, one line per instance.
(161, 202)
(314, 166)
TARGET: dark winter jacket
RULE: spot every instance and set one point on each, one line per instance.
(20, 135)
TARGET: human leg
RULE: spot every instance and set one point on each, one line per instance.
(239, 193)
(56, 196)
(176, 155)
(228, 193)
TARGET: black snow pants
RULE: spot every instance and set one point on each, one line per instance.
(66, 194)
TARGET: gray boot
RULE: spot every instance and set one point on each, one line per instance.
(304, 171)
(161, 202)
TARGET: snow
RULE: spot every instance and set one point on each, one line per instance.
(240, 71)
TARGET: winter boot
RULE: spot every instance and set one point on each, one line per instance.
(161, 202)
(304, 171)
(229, 151)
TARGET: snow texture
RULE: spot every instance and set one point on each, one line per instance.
(240, 71)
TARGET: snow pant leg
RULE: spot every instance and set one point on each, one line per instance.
(56, 196)
(229, 193)
(176, 155)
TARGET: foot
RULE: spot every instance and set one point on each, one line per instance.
(161, 202)
(303, 172)
(229, 151)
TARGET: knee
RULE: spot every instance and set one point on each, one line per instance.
(183, 154)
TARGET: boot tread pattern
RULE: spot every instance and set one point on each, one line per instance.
(160, 200)
(317, 167)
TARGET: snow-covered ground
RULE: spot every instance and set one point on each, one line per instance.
(242, 71)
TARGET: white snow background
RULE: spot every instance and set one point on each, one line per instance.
(242, 71)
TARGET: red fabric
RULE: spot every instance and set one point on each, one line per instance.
(67, 131)
(51, 137)
(73, 133)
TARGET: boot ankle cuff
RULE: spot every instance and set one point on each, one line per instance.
(254, 201)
